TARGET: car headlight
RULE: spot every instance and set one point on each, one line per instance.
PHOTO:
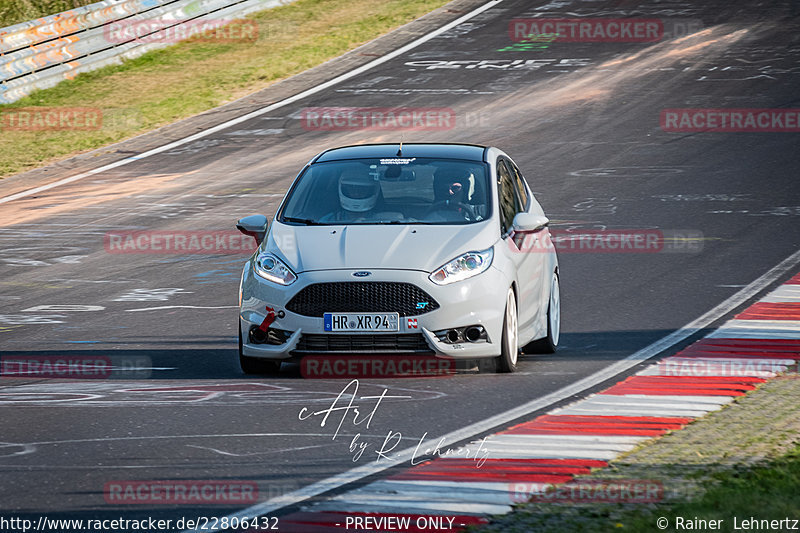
(463, 267)
(273, 269)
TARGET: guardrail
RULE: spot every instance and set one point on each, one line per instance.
(41, 53)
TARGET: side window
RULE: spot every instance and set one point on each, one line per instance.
(509, 205)
(519, 181)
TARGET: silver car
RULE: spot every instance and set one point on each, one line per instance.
(436, 249)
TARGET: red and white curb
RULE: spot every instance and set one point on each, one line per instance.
(450, 493)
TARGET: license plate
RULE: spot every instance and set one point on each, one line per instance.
(361, 321)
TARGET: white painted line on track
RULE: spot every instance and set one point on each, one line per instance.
(660, 400)
(403, 501)
(554, 453)
(549, 438)
(568, 449)
(258, 112)
(440, 486)
(422, 508)
(628, 411)
(716, 368)
(720, 360)
(784, 294)
(360, 472)
(537, 446)
(183, 307)
(377, 491)
(758, 329)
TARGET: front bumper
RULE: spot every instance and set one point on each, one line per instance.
(476, 301)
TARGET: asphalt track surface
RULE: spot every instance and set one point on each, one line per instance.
(581, 120)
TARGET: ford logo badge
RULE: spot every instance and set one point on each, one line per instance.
(362, 274)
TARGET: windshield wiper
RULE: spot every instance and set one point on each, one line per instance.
(306, 221)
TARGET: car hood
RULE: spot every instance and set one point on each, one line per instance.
(408, 247)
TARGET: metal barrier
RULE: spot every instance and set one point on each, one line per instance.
(41, 53)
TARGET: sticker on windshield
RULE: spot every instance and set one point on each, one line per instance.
(398, 161)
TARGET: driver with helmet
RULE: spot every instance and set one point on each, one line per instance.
(358, 195)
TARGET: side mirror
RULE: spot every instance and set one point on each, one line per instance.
(254, 226)
(529, 223)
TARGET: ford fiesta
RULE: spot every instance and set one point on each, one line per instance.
(416, 248)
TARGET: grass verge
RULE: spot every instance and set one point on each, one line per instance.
(733, 499)
(16, 11)
(196, 75)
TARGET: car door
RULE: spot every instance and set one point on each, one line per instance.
(513, 198)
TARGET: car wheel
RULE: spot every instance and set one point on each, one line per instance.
(549, 344)
(254, 365)
(509, 346)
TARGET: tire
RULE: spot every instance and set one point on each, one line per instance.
(509, 345)
(549, 344)
(254, 365)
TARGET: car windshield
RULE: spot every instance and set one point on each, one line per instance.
(392, 190)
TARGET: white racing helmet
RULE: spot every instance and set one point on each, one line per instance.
(358, 190)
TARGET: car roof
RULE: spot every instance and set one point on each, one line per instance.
(469, 152)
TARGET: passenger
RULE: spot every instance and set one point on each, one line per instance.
(451, 188)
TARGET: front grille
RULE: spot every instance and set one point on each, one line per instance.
(364, 343)
(362, 297)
